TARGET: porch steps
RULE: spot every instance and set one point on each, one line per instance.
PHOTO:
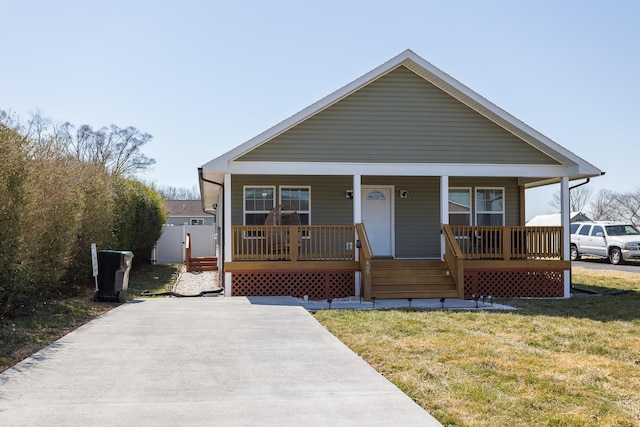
(393, 278)
(202, 264)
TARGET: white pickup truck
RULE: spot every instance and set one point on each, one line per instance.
(617, 241)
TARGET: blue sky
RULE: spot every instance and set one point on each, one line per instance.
(205, 76)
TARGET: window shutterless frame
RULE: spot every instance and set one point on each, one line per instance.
(257, 202)
(460, 206)
(490, 203)
(299, 197)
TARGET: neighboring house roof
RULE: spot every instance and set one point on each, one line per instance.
(555, 219)
(566, 162)
(458, 207)
(184, 208)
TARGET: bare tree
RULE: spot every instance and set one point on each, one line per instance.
(578, 199)
(178, 193)
(602, 208)
(628, 206)
(118, 150)
(612, 206)
(45, 139)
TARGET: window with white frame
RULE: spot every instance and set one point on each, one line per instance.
(460, 206)
(300, 199)
(197, 221)
(490, 206)
(258, 202)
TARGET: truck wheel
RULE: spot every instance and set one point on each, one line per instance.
(615, 256)
(575, 255)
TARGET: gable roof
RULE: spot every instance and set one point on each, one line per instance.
(184, 208)
(556, 219)
(576, 167)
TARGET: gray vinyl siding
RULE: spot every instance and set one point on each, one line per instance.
(399, 118)
(328, 203)
(417, 218)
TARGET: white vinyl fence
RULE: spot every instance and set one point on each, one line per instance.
(170, 248)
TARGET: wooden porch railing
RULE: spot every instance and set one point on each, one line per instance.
(365, 254)
(508, 243)
(198, 263)
(454, 259)
(293, 243)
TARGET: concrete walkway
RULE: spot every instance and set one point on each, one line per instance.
(202, 361)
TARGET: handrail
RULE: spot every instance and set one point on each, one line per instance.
(454, 259)
(364, 245)
(365, 255)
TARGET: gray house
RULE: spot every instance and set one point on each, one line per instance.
(404, 183)
(189, 211)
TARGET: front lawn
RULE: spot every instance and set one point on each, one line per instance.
(569, 362)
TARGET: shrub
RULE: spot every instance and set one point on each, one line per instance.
(96, 220)
(13, 159)
(139, 215)
(53, 205)
(50, 222)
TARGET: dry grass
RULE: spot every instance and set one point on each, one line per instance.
(45, 322)
(22, 336)
(553, 363)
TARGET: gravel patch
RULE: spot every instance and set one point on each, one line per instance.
(195, 282)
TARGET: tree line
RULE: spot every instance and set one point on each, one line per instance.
(61, 189)
(606, 205)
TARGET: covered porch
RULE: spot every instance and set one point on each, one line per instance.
(324, 262)
(445, 261)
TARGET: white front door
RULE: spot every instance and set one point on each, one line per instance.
(377, 217)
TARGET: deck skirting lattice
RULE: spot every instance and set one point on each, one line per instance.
(315, 284)
(514, 283)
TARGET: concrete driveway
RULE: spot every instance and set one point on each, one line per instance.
(202, 361)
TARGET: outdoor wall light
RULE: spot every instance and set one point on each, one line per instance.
(404, 194)
(348, 194)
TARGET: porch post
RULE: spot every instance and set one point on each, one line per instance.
(227, 232)
(523, 205)
(566, 239)
(357, 218)
(444, 210)
(357, 199)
